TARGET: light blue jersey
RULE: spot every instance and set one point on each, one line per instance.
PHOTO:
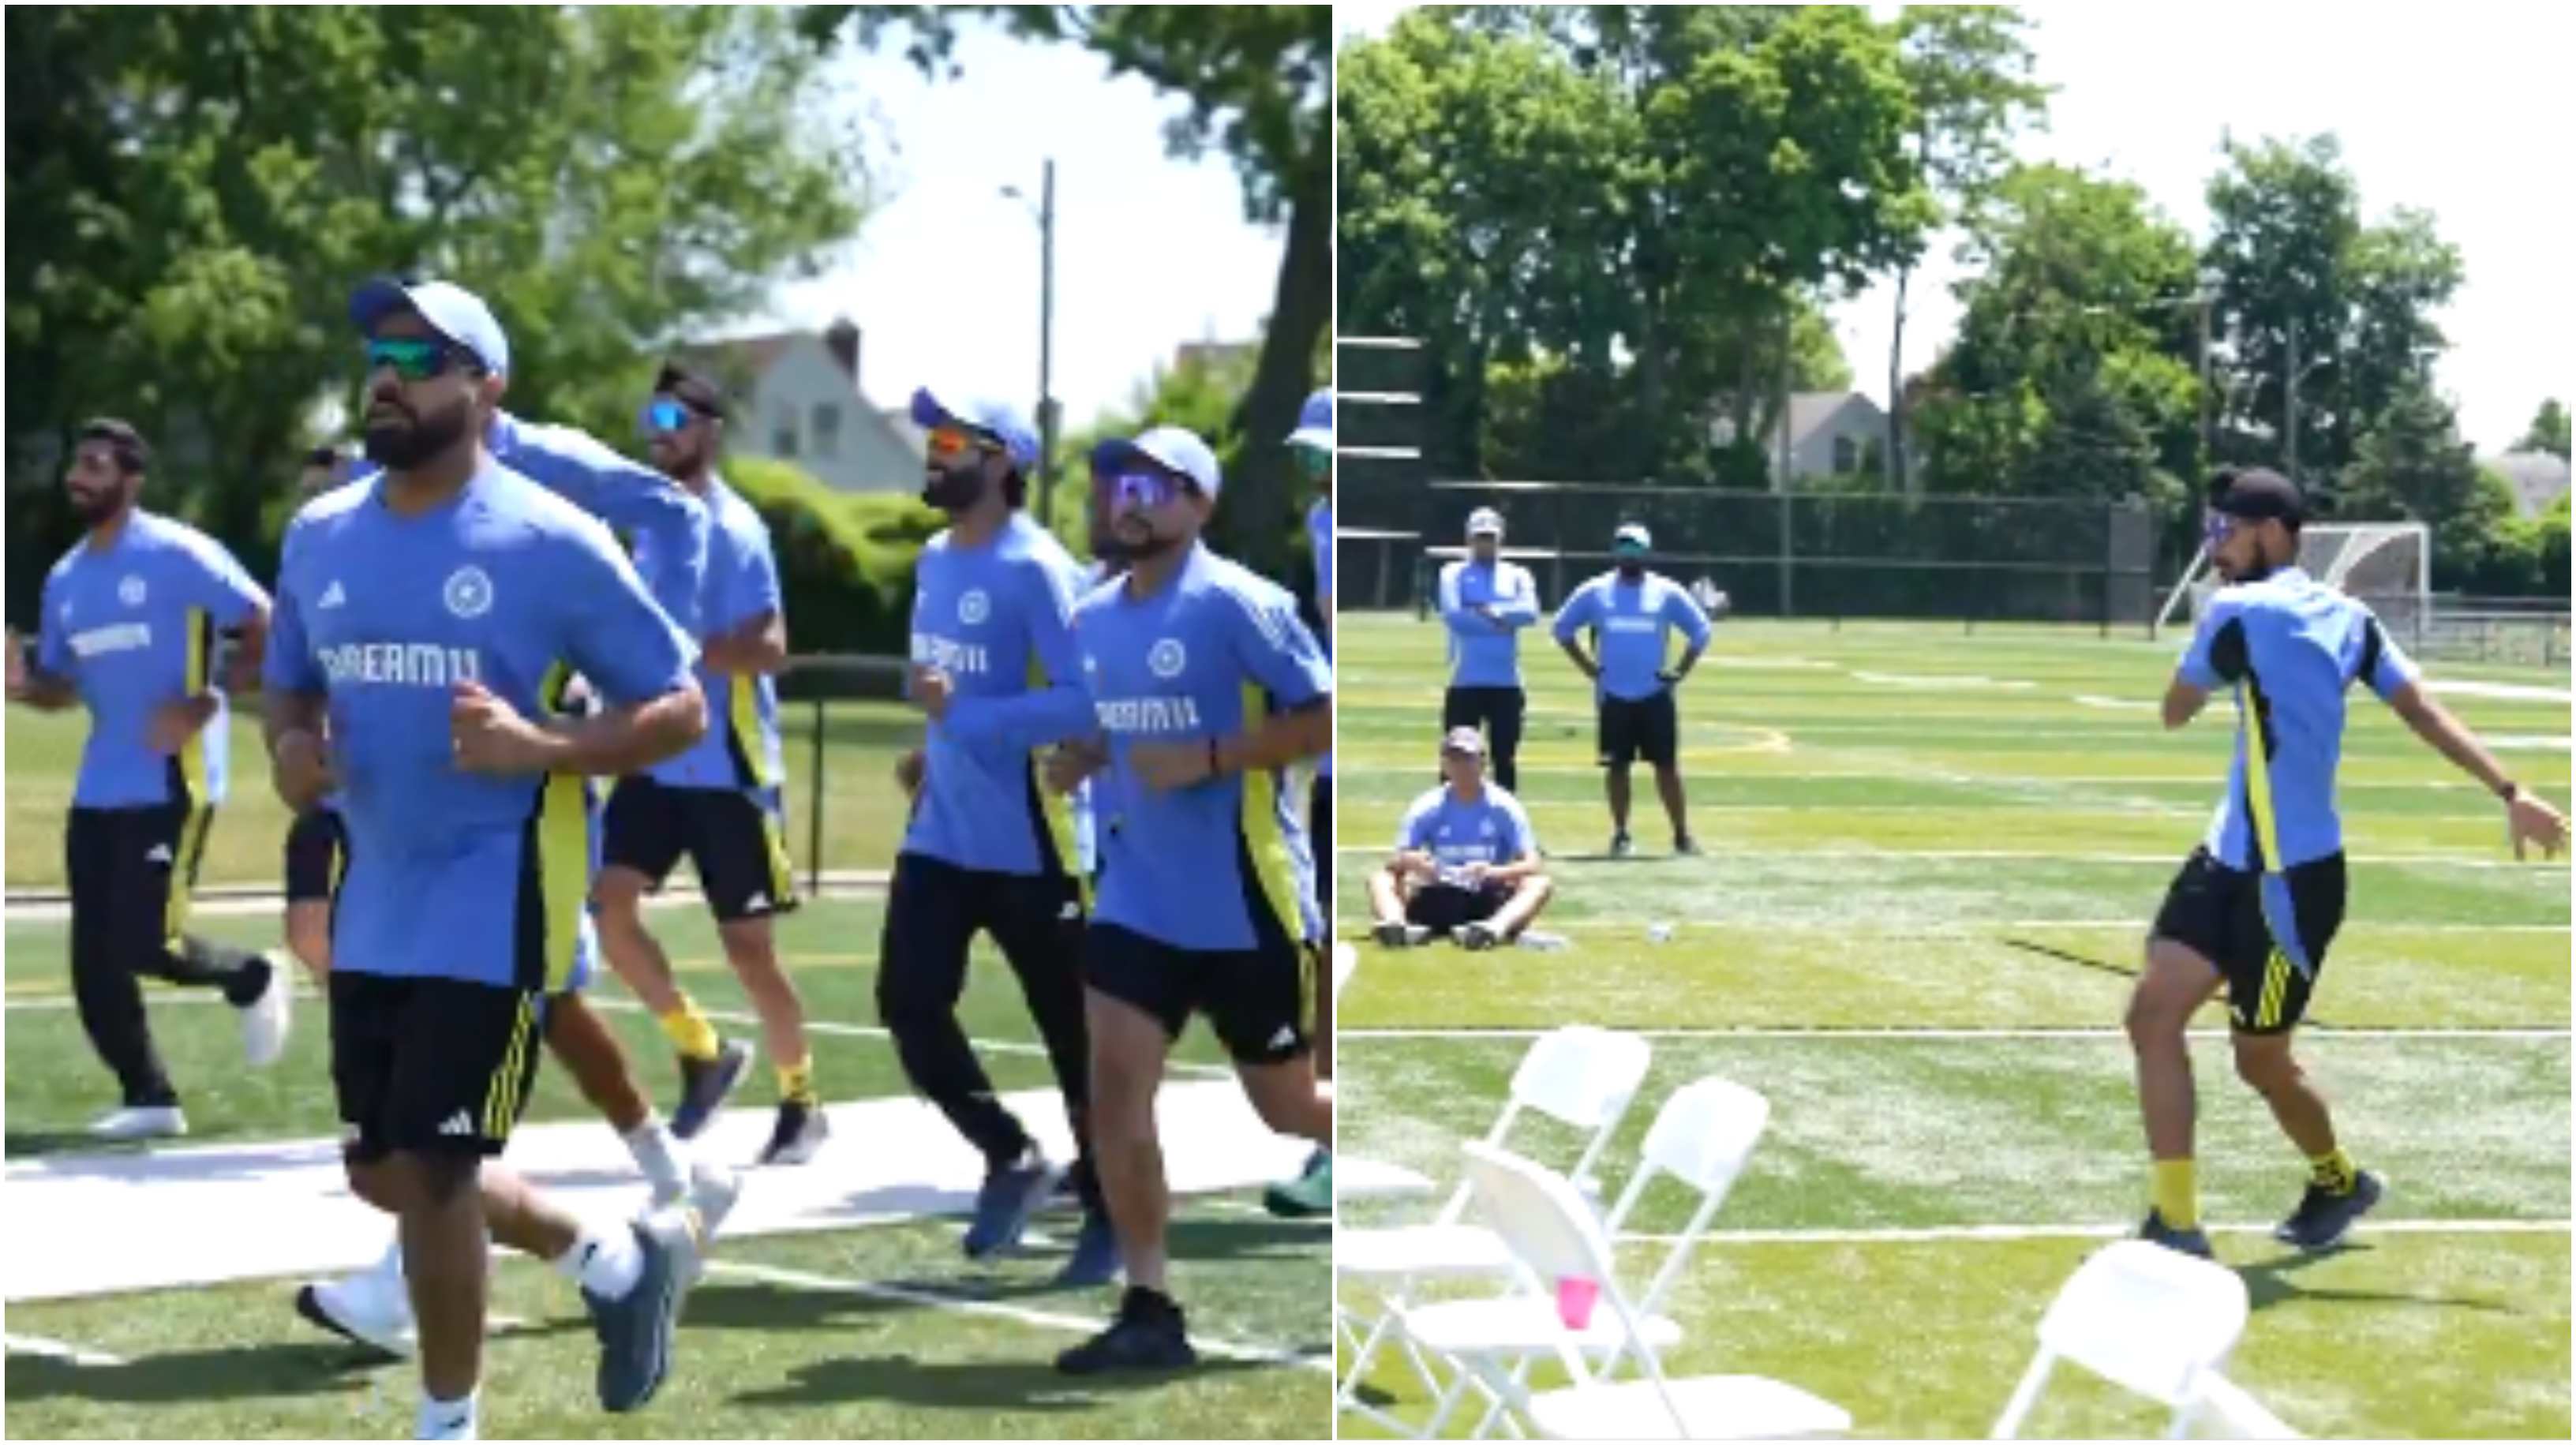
(996, 619)
(1632, 620)
(133, 628)
(2289, 647)
(454, 874)
(1492, 829)
(741, 748)
(1486, 651)
(1319, 535)
(1205, 657)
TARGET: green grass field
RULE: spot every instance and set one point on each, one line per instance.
(876, 1333)
(862, 812)
(1931, 861)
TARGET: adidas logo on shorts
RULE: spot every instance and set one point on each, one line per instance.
(458, 1125)
(1284, 1038)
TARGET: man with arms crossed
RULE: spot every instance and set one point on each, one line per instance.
(2258, 903)
(1485, 602)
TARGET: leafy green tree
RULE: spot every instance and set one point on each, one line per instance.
(2548, 431)
(1257, 79)
(2411, 465)
(194, 191)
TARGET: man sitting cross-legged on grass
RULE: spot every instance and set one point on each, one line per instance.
(1466, 861)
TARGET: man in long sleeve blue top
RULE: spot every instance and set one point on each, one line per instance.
(995, 669)
(1631, 613)
(1485, 602)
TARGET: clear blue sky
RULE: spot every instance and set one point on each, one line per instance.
(943, 276)
(2457, 111)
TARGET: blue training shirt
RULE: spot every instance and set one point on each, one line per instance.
(132, 627)
(2288, 646)
(741, 749)
(1632, 620)
(454, 874)
(997, 619)
(1206, 656)
(1456, 832)
(1319, 536)
(1486, 651)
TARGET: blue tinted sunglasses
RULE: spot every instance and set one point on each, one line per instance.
(662, 416)
(1144, 489)
(2215, 527)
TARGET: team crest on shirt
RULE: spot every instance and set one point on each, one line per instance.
(973, 607)
(1167, 658)
(468, 591)
(131, 591)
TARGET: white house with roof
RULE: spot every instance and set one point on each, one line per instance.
(1830, 432)
(796, 398)
(2538, 479)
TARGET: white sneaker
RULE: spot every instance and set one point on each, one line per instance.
(141, 1121)
(370, 1307)
(713, 1188)
(265, 1018)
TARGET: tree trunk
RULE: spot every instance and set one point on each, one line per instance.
(1259, 516)
(1898, 475)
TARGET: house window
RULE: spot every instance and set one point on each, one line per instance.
(1846, 456)
(827, 430)
(782, 437)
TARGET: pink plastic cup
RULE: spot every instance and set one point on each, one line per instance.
(1575, 1298)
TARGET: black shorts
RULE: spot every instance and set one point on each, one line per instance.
(1254, 998)
(2220, 913)
(737, 845)
(317, 852)
(431, 1064)
(1319, 838)
(131, 871)
(1646, 727)
(1446, 907)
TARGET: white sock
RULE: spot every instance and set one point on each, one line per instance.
(658, 1154)
(448, 1419)
(606, 1264)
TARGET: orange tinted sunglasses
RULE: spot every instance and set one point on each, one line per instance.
(945, 442)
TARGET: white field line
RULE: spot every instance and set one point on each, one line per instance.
(231, 900)
(1352, 758)
(623, 1005)
(2008, 855)
(2513, 691)
(59, 1350)
(2103, 1033)
(1978, 929)
(1040, 1319)
(1958, 1233)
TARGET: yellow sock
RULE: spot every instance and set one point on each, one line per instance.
(2332, 1172)
(690, 1031)
(796, 1085)
(2177, 1195)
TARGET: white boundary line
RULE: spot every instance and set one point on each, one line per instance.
(1980, 928)
(1041, 1319)
(1955, 1035)
(1998, 855)
(1947, 1233)
(53, 1349)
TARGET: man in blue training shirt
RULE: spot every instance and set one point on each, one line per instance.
(429, 623)
(1466, 860)
(128, 632)
(1310, 1194)
(1630, 610)
(2258, 903)
(1205, 688)
(722, 802)
(987, 849)
(1485, 602)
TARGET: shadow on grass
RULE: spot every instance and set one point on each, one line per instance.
(979, 1386)
(2269, 1283)
(239, 1372)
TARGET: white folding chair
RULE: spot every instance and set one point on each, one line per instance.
(2155, 1322)
(1581, 1076)
(1702, 1138)
(1554, 1236)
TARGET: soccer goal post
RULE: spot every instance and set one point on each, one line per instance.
(2387, 565)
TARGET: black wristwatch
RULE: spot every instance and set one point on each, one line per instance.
(2507, 789)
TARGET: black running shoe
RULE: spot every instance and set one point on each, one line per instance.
(2182, 1241)
(1147, 1335)
(2324, 1217)
(705, 1084)
(800, 1130)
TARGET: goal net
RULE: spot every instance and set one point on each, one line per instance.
(2387, 565)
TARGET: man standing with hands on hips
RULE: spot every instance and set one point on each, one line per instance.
(1629, 610)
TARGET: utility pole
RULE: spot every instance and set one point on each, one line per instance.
(1044, 211)
(2208, 407)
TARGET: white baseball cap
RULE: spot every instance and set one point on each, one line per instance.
(1484, 522)
(450, 309)
(1633, 534)
(1463, 739)
(1175, 448)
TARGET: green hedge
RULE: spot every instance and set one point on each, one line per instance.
(845, 560)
